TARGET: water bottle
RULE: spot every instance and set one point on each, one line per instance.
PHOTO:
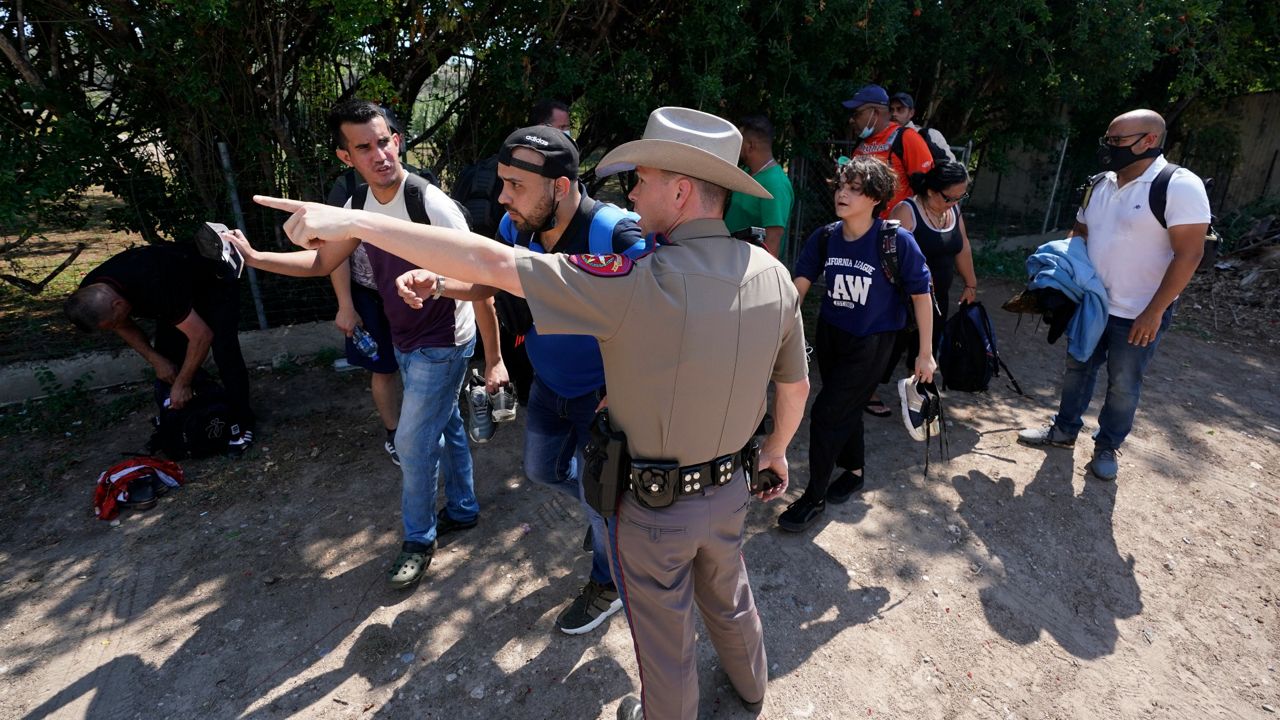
(364, 342)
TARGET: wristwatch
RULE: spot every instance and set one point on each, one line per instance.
(435, 294)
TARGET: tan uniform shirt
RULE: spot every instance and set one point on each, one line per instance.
(691, 335)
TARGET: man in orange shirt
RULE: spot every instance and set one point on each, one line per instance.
(901, 147)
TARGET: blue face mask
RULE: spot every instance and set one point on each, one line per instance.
(870, 128)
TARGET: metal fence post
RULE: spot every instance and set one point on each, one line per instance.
(239, 215)
(1053, 194)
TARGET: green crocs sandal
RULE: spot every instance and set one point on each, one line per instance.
(409, 567)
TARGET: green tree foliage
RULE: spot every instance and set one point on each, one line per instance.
(135, 95)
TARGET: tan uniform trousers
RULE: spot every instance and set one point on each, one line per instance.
(690, 552)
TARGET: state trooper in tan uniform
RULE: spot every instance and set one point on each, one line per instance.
(690, 336)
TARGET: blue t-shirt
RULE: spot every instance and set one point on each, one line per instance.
(571, 364)
(859, 298)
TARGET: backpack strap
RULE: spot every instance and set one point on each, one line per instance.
(891, 267)
(889, 252)
(825, 239)
(359, 196)
(415, 198)
(896, 145)
(1159, 195)
(604, 218)
(508, 233)
(1089, 187)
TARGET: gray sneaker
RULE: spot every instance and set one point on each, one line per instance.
(479, 418)
(593, 606)
(503, 404)
(1048, 435)
(1104, 465)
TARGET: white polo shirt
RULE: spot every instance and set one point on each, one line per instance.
(1128, 248)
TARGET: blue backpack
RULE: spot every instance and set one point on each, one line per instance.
(513, 312)
(604, 217)
(967, 354)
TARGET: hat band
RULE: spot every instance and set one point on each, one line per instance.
(525, 165)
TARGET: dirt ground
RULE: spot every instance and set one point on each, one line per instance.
(1006, 584)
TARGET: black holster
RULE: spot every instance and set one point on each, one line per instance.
(758, 481)
(606, 464)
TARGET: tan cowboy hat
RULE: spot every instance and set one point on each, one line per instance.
(688, 142)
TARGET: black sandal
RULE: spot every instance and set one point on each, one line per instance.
(875, 406)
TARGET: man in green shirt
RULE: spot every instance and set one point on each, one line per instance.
(746, 211)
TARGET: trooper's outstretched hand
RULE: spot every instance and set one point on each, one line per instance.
(312, 224)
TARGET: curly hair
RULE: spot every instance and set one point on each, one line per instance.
(872, 177)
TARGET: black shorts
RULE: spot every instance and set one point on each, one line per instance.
(368, 304)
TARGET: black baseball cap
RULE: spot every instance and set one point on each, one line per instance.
(905, 99)
(558, 150)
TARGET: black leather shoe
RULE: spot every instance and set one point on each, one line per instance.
(752, 707)
(800, 514)
(142, 495)
(630, 709)
(844, 487)
(446, 524)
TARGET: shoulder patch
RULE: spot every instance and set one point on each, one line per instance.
(610, 265)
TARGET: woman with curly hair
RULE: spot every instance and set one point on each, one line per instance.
(862, 314)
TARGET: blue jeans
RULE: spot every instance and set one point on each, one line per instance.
(431, 437)
(1125, 364)
(556, 431)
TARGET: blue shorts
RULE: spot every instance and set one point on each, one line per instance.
(368, 304)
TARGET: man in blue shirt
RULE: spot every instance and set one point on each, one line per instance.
(549, 211)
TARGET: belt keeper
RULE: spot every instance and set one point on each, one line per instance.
(691, 480)
(723, 467)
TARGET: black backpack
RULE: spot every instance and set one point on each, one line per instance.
(200, 429)
(935, 150)
(415, 191)
(477, 191)
(1157, 200)
(968, 357)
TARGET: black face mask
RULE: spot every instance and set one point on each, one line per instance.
(1118, 157)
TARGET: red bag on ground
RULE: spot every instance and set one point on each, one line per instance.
(112, 487)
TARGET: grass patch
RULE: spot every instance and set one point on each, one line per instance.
(69, 410)
(325, 357)
(1011, 265)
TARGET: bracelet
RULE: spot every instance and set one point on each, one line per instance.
(439, 290)
(970, 287)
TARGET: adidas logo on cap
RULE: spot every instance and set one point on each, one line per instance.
(536, 139)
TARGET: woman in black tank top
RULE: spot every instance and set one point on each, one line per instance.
(933, 217)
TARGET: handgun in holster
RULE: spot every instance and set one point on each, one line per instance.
(604, 475)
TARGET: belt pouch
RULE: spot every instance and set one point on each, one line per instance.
(654, 482)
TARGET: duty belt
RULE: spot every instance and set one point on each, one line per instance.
(659, 483)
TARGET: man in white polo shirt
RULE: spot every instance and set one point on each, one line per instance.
(1143, 264)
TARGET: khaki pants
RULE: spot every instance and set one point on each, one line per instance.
(670, 559)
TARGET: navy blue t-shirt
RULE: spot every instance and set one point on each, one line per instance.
(859, 298)
(571, 364)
